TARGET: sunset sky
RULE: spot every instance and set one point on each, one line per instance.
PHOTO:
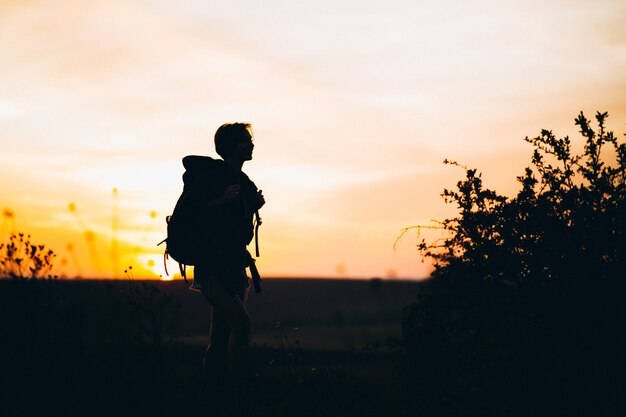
(354, 106)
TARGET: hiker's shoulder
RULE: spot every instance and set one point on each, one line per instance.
(245, 179)
(199, 167)
(202, 163)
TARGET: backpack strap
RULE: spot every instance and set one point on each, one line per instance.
(257, 224)
(181, 267)
(256, 277)
(166, 255)
(183, 272)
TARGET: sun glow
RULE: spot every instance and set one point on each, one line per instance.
(101, 100)
(155, 264)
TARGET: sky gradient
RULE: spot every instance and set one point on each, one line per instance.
(354, 106)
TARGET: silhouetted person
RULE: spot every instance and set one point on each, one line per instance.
(230, 199)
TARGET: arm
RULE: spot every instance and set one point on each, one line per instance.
(230, 192)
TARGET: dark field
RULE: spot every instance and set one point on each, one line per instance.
(320, 313)
(321, 347)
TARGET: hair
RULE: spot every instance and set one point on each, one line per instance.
(229, 135)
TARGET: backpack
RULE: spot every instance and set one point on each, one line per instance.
(187, 230)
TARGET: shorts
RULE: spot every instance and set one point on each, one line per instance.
(235, 281)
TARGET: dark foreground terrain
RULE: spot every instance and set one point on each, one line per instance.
(321, 347)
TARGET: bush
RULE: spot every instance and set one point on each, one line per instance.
(524, 308)
(565, 225)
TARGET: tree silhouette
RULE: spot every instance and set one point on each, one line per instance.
(565, 225)
(524, 312)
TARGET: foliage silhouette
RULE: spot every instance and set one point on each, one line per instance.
(523, 314)
(21, 259)
(566, 222)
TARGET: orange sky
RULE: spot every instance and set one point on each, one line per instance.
(354, 106)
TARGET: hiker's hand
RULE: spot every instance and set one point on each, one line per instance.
(232, 191)
(260, 197)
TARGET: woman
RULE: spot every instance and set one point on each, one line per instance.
(230, 200)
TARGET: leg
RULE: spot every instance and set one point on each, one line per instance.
(229, 308)
(219, 334)
(215, 359)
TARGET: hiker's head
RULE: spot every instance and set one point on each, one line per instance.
(234, 140)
